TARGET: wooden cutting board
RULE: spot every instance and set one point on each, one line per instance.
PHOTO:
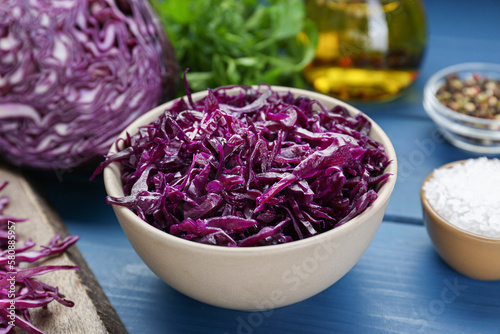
(92, 313)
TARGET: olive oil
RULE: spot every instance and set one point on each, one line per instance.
(367, 50)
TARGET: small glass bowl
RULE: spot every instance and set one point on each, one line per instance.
(470, 133)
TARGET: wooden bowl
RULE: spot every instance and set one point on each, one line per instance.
(470, 254)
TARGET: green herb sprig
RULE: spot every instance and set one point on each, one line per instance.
(226, 42)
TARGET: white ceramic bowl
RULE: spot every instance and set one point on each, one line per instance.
(470, 133)
(256, 278)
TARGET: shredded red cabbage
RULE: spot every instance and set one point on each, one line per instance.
(248, 169)
(19, 290)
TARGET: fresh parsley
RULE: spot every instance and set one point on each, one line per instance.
(245, 42)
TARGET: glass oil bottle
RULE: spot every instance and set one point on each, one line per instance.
(368, 49)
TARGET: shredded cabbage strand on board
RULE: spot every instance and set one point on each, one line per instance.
(18, 283)
(253, 168)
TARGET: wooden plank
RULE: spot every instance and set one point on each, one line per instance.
(92, 313)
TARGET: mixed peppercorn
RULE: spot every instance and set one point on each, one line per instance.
(476, 96)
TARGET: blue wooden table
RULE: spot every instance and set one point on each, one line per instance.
(400, 285)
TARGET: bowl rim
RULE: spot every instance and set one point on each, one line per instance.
(114, 186)
(436, 217)
(434, 82)
(460, 128)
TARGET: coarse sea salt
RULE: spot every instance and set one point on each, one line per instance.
(468, 195)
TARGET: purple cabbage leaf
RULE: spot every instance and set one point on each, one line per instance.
(20, 291)
(74, 74)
